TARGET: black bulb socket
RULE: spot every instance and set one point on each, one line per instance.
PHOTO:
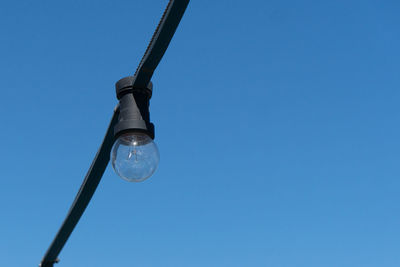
(134, 114)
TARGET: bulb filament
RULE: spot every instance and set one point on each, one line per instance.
(133, 152)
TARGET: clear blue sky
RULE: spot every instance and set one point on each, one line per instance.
(277, 124)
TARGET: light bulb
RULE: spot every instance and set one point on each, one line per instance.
(134, 157)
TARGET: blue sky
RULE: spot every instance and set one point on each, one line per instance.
(277, 124)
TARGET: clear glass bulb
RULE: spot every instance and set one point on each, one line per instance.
(135, 157)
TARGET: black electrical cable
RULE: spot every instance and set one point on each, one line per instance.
(159, 42)
(152, 57)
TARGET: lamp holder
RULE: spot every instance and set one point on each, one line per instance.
(134, 114)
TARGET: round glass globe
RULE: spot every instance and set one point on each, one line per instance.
(135, 157)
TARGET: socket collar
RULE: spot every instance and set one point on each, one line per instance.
(125, 86)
